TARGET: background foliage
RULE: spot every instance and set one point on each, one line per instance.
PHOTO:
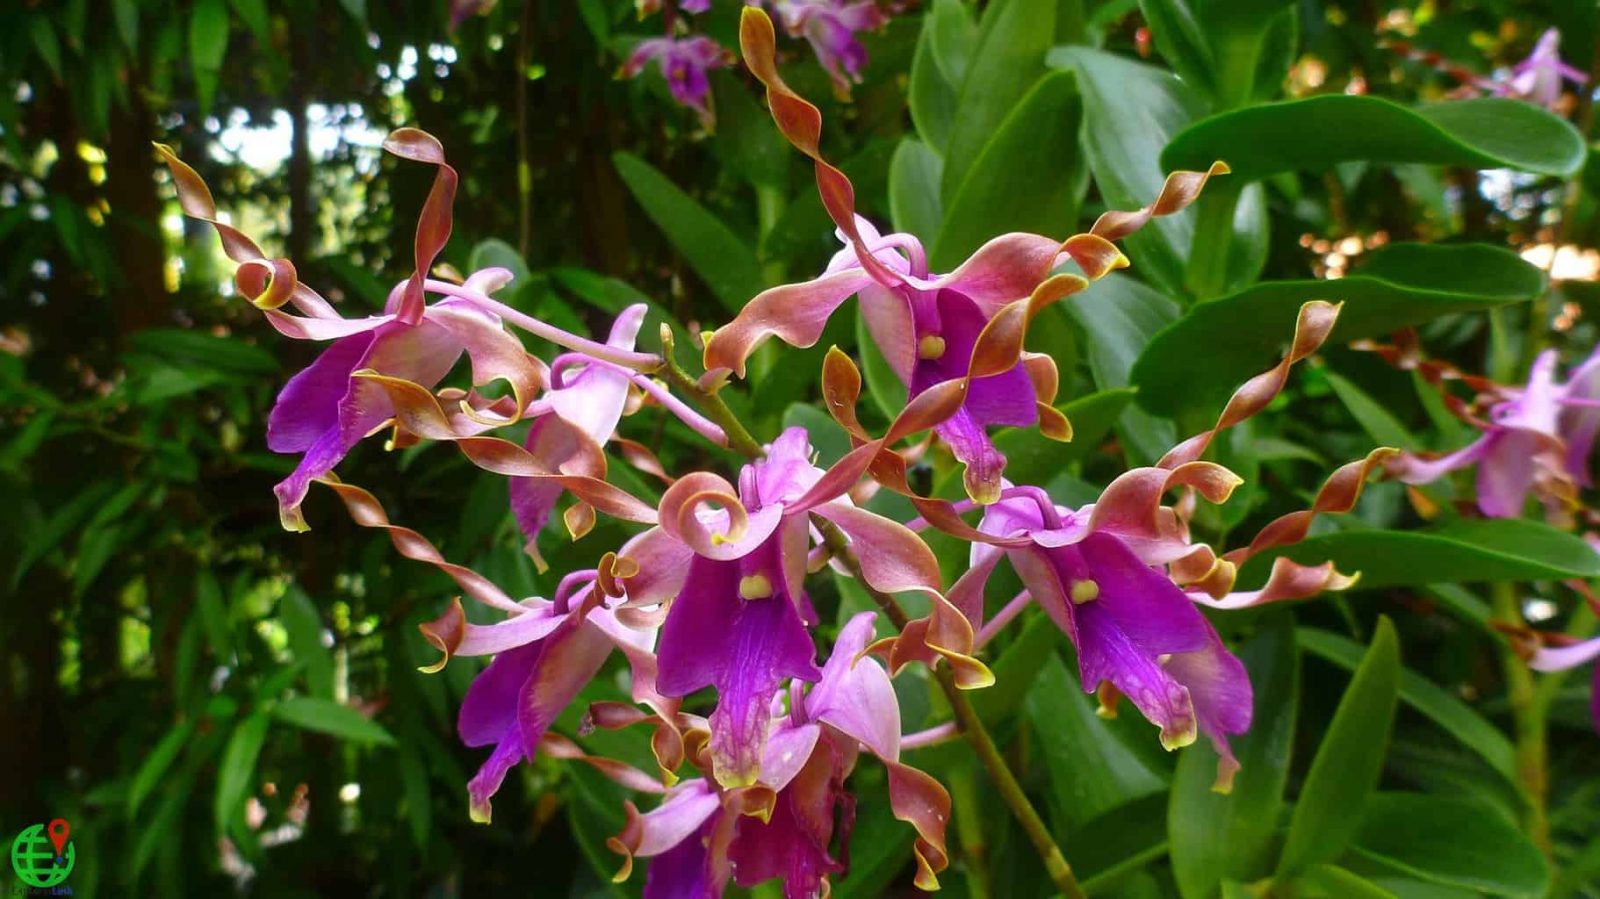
(218, 706)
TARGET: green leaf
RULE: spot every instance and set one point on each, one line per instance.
(1032, 458)
(1456, 717)
(1012, 40)
(827, 437)
(1348, 762)
(914, 189)
(1026, 178)
(254, 15)
(208, 46)
(1091, 771)
(1334, 882)
(727, 265)
(196, 349)
(238, 767)
(303, 626)
(930, 98)
(154, 767)
(1378, 422)
(1453, 841)
(1178, 38)
(1216, 836)
(1495, 549)
(880, 846)
(126, 12)
(42, 539)
(46, 44)
(1243, 334)
(955, 36)
(1121, 315)
(329, 717)
(1320, 132)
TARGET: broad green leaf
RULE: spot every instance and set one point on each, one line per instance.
(1378, 422)
(880, 846)
(712, 249)
(1439, 705)
(1216, 836)
(1451, 840)
(1319, 132)
(914, 189)
(1244, 334)
(126, 13)
(154, 767)
(238, 767)
(1091, 771)
(745, 137)
(1130, 112)
(46, 44)
(1495, 549)
(955, 35)
(827, 437)
(1345, 770)
(208, 46)
(496, 253)
(1012, 40)
(1026, 178)
(1032, 458)
(1334, 882)
(1120, 315)
(197, 349)
(930, 98)
(329, 717)
(1178, 38)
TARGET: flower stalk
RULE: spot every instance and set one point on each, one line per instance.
(1528, 720)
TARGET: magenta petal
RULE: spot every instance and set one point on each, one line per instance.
(308, 406)
(745, 647)
(684, 872)
(533, 499)
(1505, 475)
(855, 694)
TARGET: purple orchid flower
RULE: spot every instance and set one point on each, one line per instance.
(703, 834)
(1563, 658)
(684, 63)
(1538, 439)
(543, 657)
(583, 410)
(928, 326)
(830, 26)
(732, 563)
(1097, 572)
(1538, 78)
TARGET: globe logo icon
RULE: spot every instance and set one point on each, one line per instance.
(34, 858)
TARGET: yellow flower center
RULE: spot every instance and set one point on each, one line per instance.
(755, 586)
(1085, 591)
(930, 347)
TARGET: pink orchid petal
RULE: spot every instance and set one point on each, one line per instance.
(855, 695)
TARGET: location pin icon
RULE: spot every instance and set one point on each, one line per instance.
(58, 831)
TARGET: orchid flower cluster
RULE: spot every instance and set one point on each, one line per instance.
(1538, 78)
(1536, 440)
(830, 26)
(708, 603)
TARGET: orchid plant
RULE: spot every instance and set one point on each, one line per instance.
(762, 720)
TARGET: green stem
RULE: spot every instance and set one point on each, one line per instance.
(1207, 275)
(1528, 721)
(972, 727)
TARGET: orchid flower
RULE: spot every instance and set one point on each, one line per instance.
(830, 26)
(584, 409)
(1563, 658)
(1538, 78)
(702, 835)
(684, 63)
(732, 562)
(646, 8)
(1121, 576)
(928, 325)
(1538, 438)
